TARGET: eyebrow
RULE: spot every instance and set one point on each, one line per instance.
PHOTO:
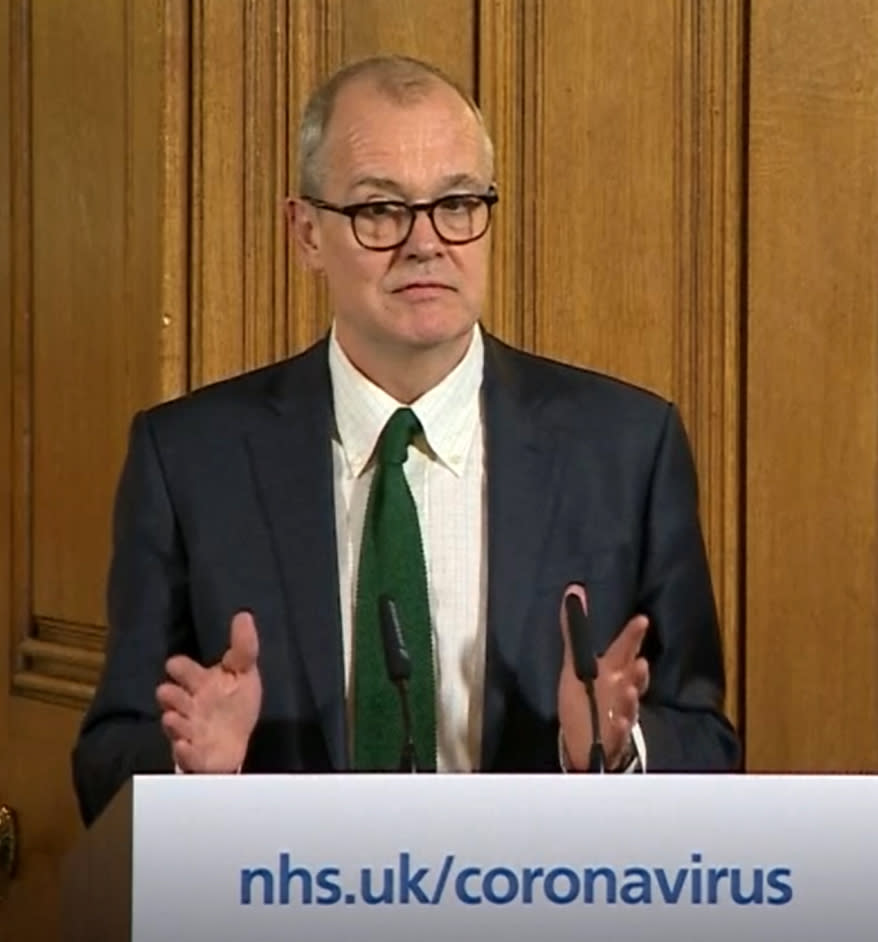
(468, 180)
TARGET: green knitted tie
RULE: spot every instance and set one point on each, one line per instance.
(392, 562)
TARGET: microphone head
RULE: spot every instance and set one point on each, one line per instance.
(584, 661)
(396, 656)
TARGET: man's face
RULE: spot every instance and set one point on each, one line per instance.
(426, 293)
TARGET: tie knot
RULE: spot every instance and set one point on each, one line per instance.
(397, 435)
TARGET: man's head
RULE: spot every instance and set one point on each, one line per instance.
(392, 129)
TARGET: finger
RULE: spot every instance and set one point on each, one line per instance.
(243, 649)
(622, 716)
(176, 727)
(173, 697)
(628, 704)
(185, 755)
(622, 726)
(189, 675)
(626, 645)
(640, 675)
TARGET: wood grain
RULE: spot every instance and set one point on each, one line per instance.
(96, 275)
(812, 388)
(440, 31)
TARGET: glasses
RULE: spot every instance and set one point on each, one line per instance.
(381, 225)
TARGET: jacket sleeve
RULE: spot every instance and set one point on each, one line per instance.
(681, 716)
(147, 607)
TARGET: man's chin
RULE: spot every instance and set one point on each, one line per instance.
(432, 326)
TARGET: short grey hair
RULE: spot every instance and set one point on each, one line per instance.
(402, 79)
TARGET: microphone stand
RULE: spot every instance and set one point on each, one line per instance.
(399, 670)
(408, 761)
(586, 667)
(596, 757)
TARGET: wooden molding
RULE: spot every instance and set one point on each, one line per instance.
(264, 181)
(60, 662)
(174, 367)
(217, 213)
(55, 690)
(533, 221)
(709, 223)
(255, 63)
(315, 49)
(21, 307)
(510, 37)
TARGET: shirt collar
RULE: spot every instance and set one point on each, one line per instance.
(448, 413)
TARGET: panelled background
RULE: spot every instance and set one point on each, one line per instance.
(689, 200)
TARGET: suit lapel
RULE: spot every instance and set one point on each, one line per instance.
(522, 469)
(292, 460)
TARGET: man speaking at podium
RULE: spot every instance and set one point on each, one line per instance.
(410, 457)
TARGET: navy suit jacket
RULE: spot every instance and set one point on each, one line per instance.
(225, 503)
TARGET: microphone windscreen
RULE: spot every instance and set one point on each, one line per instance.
(396, 656)
(584, 661)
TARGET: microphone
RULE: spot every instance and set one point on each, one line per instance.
(586, 666)
(399, 670)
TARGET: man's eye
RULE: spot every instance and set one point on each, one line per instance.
(379, 210)
(374, 210)
(459, 204)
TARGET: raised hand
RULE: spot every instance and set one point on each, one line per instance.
(623, 678)
(208, 713)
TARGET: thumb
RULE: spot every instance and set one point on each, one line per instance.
(626, 646)
(243, 644)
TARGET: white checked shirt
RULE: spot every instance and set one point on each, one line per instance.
(445, 472)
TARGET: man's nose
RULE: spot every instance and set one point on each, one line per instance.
(423, 239)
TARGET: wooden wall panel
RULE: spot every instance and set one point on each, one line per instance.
(442, 32)
(508, 59)
(603, 184)
(812, 388)
(254, 64)
(98, 302)
(81, 242)
(218, 95)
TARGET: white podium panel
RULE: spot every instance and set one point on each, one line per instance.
(347, 857)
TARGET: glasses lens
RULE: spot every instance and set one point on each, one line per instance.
(461, 218)
(381, 225)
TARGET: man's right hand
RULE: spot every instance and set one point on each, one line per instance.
(208, 713)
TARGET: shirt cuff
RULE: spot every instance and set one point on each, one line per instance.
(637, 764)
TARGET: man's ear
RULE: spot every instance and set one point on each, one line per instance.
(306, 233)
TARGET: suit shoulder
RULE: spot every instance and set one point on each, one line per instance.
(229, 402)
(565, 387)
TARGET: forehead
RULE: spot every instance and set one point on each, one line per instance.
(417, 142)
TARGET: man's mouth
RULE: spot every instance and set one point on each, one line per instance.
(423, 288)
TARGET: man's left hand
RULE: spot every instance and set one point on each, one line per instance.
(622, 679)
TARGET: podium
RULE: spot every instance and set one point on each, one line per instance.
(448, 857)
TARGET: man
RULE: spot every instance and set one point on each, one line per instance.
(259, 521)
